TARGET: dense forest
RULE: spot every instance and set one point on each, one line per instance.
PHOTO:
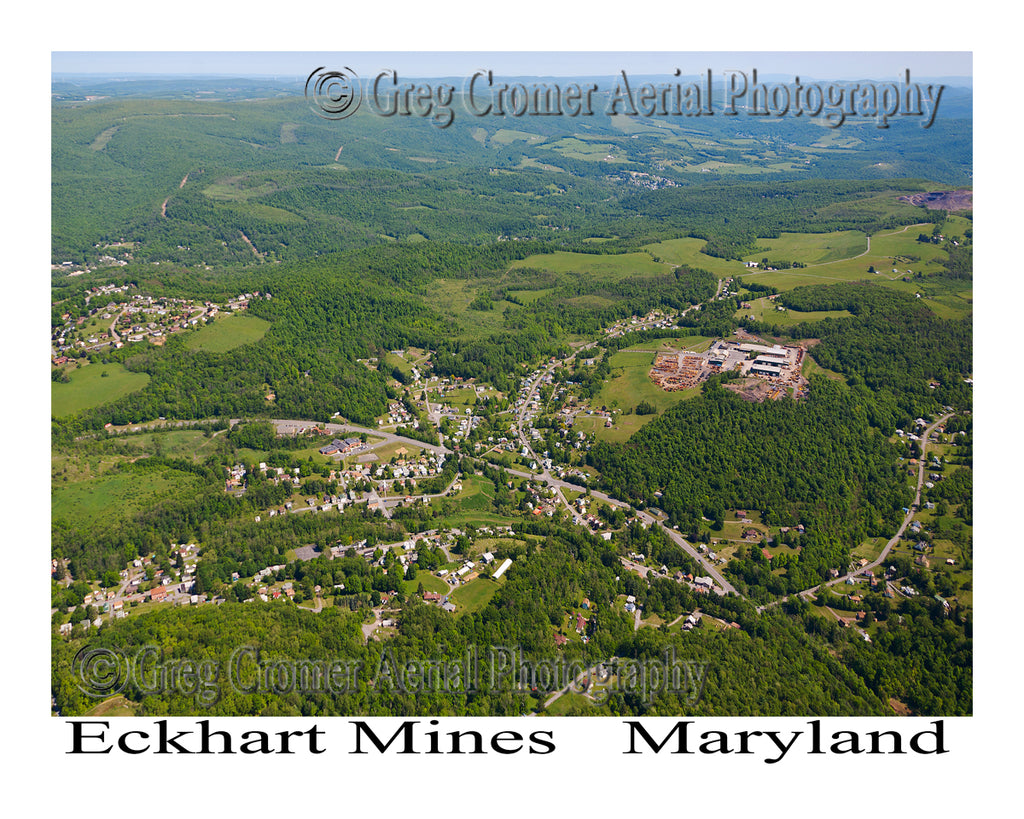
(817, 463)
(912, 361)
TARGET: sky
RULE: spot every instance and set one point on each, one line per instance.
(834, 65)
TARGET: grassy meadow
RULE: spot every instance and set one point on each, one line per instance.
(227, 333)
(93, 385)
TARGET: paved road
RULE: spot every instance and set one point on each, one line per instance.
(648, 518)
(899, 532)
(576, 684)
(373, 499)
(401, 496)
(524, 439)
(290, 427)
(113, 325)
(724, 585)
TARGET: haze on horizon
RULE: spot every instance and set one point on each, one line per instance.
(837, 65)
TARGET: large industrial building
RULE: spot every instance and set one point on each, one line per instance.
(775, 363)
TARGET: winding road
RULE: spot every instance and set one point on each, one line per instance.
(922, 461)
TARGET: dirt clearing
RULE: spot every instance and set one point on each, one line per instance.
(942, 200)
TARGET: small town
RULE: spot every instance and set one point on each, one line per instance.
(132, 318)
(358, 475)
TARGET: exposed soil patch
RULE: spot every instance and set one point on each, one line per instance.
(252, 247)
(942, 200)
(900, 708)
(750, 389)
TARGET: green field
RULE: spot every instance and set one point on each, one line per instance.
(459, 519)
(615, 266)
(254, 456)
(238, 187)
(530, 296)
(811, 366)
(630, 383)
(268, 213)
(94, 325)
(117, 495)
(687, 252)
(474, 595)
(955, 226)
(431, 583)
(573, 148)
(463, 396)
(765, 310)
(494, 544)
(530, 162)
(506, 136)
(870, 548)
(189, 444)
(903, 242)
(398, 361)
(477, 494)
(474, 505)
(451, 298)
(384, 454)
(103, 138)
(889, 250)
(227, 333)
(811, 248)
(89, 387)
(697, 344)
(947, 298)
(830, 257)
(833, 139)
(721, 167)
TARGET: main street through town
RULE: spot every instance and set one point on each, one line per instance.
(533, 386)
